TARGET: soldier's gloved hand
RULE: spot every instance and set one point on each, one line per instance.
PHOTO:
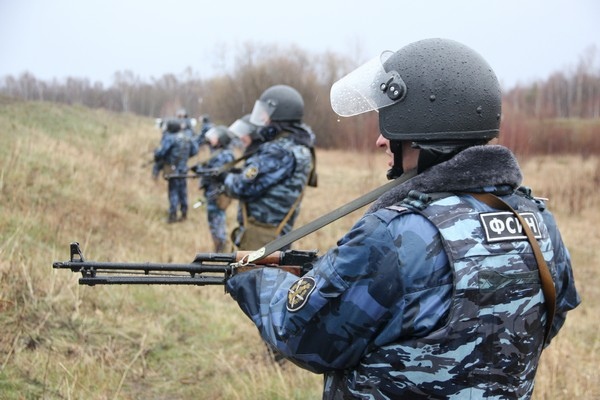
(235, 170)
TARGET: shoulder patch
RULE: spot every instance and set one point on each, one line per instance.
(251, 172)
(504, 226)
(299, 292)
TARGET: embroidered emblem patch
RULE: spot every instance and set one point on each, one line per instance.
(299, 292)
(251, 172)
(504, 226)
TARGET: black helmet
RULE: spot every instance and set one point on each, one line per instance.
(278, 103)
(431, 90)
(221, 133)
(173, 125)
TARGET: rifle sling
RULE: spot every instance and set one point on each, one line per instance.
(226, 167)
(231, 164)
(213, 155)
(326, 219)
(545, 276)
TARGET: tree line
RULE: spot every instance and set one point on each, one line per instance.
(574, 94)
(231, 94)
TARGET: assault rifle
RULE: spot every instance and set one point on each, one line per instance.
(198, 173)
(200, 170)
(206, 269)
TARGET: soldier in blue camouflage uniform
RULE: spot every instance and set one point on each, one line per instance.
(433, 294)
(205, 125)
(176, 147)
(276, 172)
(187, 123)
(219, 139)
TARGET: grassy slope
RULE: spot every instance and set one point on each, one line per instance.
(71, 173)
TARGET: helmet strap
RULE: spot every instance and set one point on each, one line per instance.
(267, 133)
(396, 170)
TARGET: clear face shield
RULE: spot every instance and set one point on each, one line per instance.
(242, 128)
(367, 88)
(262, 111)
(212, 136)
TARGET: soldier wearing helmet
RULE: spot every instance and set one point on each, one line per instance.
(437, 291)
(219, 138)
(187, 123)
(246, 134)
(205, 125)
(176, 147)
(276, 171)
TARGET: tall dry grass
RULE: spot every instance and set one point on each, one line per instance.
(74, 174)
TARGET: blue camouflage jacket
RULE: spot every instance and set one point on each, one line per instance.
(175, 149)
(272, 180)
(212, 187)
(379, 313)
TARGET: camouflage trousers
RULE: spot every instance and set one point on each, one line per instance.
(217, 223)
(178, 196)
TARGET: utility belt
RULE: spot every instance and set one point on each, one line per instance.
(168, 170)
(216, 195)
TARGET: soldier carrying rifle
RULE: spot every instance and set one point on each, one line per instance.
(219, 138)
(418, 300)
(176, 147)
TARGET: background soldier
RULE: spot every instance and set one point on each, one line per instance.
(176, 147)
(205, 125)
(275, 174)
(219, 138)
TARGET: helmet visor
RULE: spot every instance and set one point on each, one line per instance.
(361, 90)
(212, 133)
(242, 128)
(262, 111)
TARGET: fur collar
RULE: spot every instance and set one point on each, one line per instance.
(473, 168)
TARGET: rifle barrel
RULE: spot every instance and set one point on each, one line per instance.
(77, 266)
(152, 280)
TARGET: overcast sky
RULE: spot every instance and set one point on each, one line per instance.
(523, 40)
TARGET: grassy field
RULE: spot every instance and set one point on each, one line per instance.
(75, 174)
